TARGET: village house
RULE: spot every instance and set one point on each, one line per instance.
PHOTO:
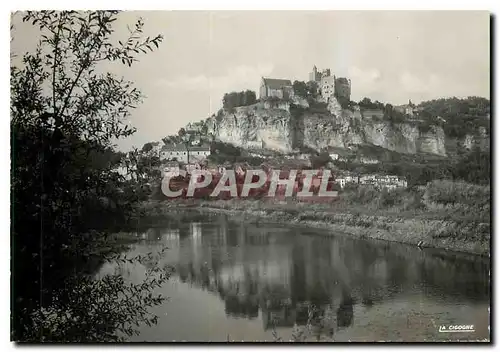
(377, 181)
(366, 160)
(351, 179)
(180, 152)
(384, 181)
(334, 156)
(404, 109)
(409, 109)
(277, 88)
(341, 182)
(257, 155)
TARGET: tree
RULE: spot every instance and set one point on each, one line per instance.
(171, 139)
(474, 167)
(249, 98)
(366, 102)
(235, 99)
(300, 89)
(64, 113)
(318, 161)
(461, 115)
(147, 147)
(343, 101)
(182, 132)
(312, 88)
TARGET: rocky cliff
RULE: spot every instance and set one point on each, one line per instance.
(279, 126)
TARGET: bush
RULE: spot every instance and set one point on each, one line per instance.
(413, 201)
(451, 192)
(386, 199)
(461, 115)
(316, 107)
(300, 89)
(62, 177)
(424, 127)
(318, 161)
(474, 167)
(235, 99)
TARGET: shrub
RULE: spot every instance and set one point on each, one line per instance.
(451, 192)
(235, 99)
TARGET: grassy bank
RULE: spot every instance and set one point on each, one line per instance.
(446, 215)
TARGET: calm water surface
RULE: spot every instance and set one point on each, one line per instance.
(236, 281)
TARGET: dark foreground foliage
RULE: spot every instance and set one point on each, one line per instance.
(66, 193)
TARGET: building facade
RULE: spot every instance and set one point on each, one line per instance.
(332, 86)
(277, 88)
(327, 87)
(408, 109)
(180, 153)
(378, 181)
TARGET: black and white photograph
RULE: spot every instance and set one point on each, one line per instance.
(248, 176)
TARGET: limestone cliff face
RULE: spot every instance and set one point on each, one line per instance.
(276, 126)
(255, 126)
(479, 139)
(402, 138)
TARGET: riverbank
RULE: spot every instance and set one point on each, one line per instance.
(432, 228)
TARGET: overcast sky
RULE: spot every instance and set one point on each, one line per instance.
(389, 56)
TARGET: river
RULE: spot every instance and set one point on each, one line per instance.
(253, 282)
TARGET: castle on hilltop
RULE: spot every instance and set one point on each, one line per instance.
(331, 86)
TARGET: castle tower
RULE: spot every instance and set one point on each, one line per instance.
(314, 74)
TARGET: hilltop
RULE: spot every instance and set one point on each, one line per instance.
(298, 121)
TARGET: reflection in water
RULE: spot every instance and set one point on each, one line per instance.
(288, 277)
(345, 312)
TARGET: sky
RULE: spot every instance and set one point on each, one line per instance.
(391, 56)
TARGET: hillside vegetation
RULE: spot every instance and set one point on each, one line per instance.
(462, 116)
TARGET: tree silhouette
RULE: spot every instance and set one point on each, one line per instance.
(65, 116)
